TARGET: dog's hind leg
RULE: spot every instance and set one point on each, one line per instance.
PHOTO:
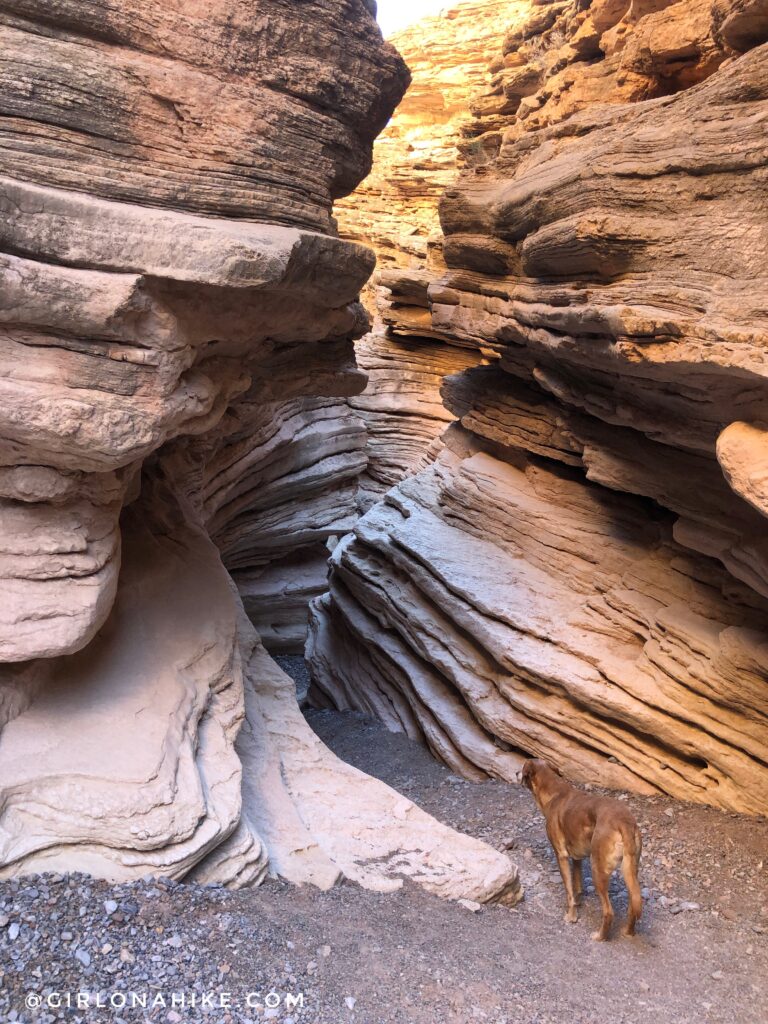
(578, 882)
(601, 879)
(629, 867)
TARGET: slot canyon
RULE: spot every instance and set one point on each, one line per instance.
(443, 356)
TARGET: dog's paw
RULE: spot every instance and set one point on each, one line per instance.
(599, 937)
(570, 916)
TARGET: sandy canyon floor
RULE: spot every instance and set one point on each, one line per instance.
(360, 958)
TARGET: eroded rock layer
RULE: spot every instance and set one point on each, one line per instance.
(395, 212)
(582, 575)
(401, 407)
(395, 209)
(177, 323)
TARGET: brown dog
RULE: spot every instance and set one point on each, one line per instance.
(581, 825)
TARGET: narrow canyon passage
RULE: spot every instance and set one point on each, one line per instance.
(430, 371)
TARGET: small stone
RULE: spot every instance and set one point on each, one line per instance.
(175, 941)
(173, 1017)
(324, 951)
(110, 906)
(689, 905)
(13, 931)
(350, 1002)
(126, 956)
(470, 905)
(106, 948)
(669, 812)
(83, 956)
(717, 975)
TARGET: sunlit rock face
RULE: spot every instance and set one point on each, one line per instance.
(178, 319)
(395, 212)
(395, 209)
(583, 573)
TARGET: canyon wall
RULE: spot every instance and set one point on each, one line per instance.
(395, 212)
(178, 317)
(582, 573)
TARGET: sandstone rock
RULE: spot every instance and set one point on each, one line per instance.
(277, 595)
(742, 451)
(395, 211)
(516, 608)
(321, 818)
(177, 322)
(574, 577)
(228, 109)
(133, 770)
(401, 406)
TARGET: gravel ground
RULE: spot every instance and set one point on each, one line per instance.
(296, 667)
(701, 954)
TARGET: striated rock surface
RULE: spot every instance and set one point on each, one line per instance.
(395, 209)
(582, 575)
(395, 212)
(402, 407)
(177, 322)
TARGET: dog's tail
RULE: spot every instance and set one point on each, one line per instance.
(633, 847)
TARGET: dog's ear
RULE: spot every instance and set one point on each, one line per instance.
(525, 773)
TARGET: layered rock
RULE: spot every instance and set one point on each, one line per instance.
(395, 212)
(395, 209)
(583, 575)
(401, 407)
(177, 343)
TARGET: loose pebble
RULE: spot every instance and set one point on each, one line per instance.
(470, 905)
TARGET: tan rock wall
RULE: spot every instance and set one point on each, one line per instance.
(395, 212)
(176, 344)
(582, 575)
